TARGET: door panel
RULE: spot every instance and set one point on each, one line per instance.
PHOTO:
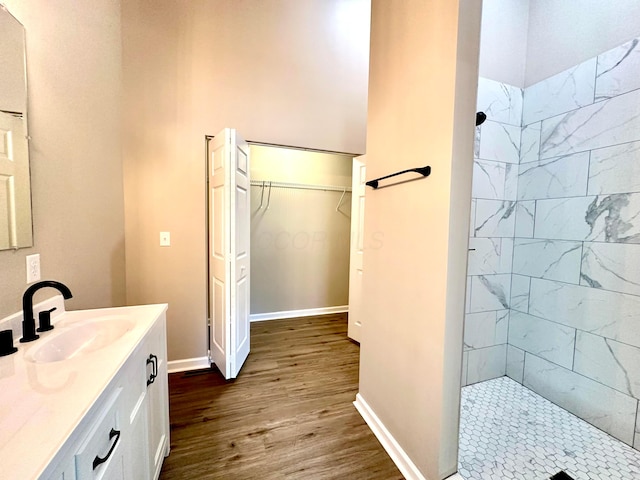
(219, 271)
(358, 180)
(241, 255)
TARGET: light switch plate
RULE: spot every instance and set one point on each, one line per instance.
(33, 268)
(165, 239)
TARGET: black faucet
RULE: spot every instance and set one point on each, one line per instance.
(28, 322)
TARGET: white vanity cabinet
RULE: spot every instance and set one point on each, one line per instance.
(125, 434)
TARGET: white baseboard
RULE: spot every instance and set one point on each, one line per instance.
(309, 312)
(395, 451)
(187, 364)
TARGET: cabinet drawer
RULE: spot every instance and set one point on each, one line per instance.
(100, 455)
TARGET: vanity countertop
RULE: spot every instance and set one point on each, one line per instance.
(42, 403)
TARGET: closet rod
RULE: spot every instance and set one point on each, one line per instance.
(302, 186)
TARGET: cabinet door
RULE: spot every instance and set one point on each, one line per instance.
(134, 381)
(138, 452)
(158, 398)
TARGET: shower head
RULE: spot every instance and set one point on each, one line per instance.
(480, 118)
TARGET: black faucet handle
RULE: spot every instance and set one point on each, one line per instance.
(6, 343)
(44, 319)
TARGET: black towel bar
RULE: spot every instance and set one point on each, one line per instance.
(424, 171)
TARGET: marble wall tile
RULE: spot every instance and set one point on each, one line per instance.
(561, 93)
(494, 218)
(491, 256)
(502, 326)
(554, 177)
(636, 442)
(611, 266)
(467, 303)
(485, 329)
(563, 218)
(609, 122)
(612, 363)
(506, 256)
(472, 218)
(530, 143)
(489, 179)
(490, 292)
(602, 406)
(500, 142)
(476, 143)
(486, 363)
(510, 182)
(608, 314)
(615, 218)
(465, 363)
(501, 102)
(484, 256)
(549, 340)
(515, 363)
(618, 70)
(525, 215)
(520, 285)
(551, 259)
(611, 218)
(615, 169)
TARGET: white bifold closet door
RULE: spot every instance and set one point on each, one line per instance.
(229, 247)
(358, 180)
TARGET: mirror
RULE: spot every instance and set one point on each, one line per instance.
(15, 186)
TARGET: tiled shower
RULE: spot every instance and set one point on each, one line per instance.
(553, 294)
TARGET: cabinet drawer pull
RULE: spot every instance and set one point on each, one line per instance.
(155, 365)
(98, 461)
(153, 360)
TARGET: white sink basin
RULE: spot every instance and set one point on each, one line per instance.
(76, 340)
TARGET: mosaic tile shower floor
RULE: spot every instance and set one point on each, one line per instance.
(510, 432)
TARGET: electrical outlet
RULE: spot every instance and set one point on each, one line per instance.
(33, 268)
(165, 239)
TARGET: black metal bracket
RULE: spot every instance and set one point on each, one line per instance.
(424, 171)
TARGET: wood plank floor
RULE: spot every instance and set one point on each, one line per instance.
(289, 414)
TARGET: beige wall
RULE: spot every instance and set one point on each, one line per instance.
(289, 72)
(424, 70)
(300, 244)
(74, 66)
